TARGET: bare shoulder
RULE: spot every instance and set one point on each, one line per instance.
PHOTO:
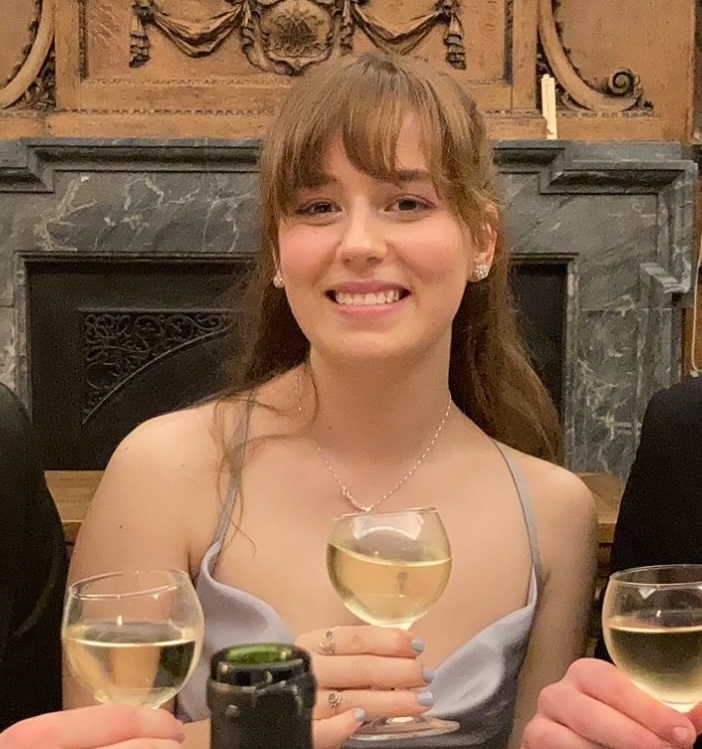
(160, 495)
(566, 519)
(564, 506)
(191, 437)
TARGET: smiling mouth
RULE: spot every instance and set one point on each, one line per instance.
(367, 300)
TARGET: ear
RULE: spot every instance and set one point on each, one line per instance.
(482, 255)
(485, 245)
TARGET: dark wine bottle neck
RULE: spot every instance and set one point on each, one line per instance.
(277, 720)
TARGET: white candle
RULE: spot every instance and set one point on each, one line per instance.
(548, 105)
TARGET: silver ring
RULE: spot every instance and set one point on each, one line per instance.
(327, 646)
(334, 700)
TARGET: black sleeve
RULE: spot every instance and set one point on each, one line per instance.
(15, 448)
(634, 544)
(660, 517)
(637, 541)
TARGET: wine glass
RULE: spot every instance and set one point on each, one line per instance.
(389, 569)
(133, 637)
(652, 626)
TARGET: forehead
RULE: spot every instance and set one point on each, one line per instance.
(409, 152)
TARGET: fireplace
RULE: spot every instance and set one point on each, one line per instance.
(112, 343)
(113, 255)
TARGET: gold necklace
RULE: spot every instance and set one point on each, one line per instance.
(345, 493)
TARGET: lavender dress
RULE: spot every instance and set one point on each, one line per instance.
(476, 685)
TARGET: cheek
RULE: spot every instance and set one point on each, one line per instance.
(443, 257)
(301, 252)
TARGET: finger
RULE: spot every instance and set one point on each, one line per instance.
(611, 688)
(361, 639)
(90, 727)
(695, 716)
(332, 732)
(379, 703)
(541, 733)
(365, 671)
(145, 744)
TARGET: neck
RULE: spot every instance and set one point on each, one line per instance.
(375, 411)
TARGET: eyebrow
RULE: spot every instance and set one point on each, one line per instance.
(322, 179)
(414, 175)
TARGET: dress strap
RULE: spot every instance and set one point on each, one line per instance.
(527, 511)
(239, 443)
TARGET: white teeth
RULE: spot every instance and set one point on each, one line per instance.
(367, 300)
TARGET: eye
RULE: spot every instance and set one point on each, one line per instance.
(409, 205)
(316, 208)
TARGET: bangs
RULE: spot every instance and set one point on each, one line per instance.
(366, 101)
(367, 111)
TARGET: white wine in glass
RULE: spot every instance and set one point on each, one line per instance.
(389, 568)
(133, 638)
(652, 626)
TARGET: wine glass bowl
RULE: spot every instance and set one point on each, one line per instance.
(133, 637)
(652, 626)
(389, 568)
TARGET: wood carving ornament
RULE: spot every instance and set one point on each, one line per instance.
(294, 33)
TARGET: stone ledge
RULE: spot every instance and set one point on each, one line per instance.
(73, 490)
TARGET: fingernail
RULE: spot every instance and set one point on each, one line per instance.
(682, 736)
(428, 675)
(425, 698)
(359, 714)
(418, 645)
(180, 737)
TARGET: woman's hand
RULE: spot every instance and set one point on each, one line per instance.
(364, 671)
(594, 705)
(100, 727)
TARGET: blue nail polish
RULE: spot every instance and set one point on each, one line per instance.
(418, 645)
(428, 675)
(359, 714)
(425, 698)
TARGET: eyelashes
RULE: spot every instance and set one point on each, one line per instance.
(316, 208)
(405, 204)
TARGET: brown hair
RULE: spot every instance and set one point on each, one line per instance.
(366, 99)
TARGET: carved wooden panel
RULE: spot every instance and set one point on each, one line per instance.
(641, 37)
(16, 34)
(27, 55)
(239, 56)
(218, 68)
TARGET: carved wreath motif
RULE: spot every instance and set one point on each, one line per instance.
(116, 345)
(285, 36)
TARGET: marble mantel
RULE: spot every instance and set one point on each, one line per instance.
(620, 217)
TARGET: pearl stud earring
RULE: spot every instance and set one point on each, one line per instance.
(481, 272)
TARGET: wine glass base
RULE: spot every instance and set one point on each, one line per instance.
(389, 729)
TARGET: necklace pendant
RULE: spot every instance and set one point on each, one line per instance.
(346, 494)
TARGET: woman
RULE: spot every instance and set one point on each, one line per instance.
(384, 372)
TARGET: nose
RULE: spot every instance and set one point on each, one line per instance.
(362, 242)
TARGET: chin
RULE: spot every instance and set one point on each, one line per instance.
(376, 353)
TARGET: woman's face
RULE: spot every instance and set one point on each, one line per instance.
(372, 268)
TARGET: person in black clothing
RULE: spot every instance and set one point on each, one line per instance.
(33, 567)
(659, 522)
(660, 517)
